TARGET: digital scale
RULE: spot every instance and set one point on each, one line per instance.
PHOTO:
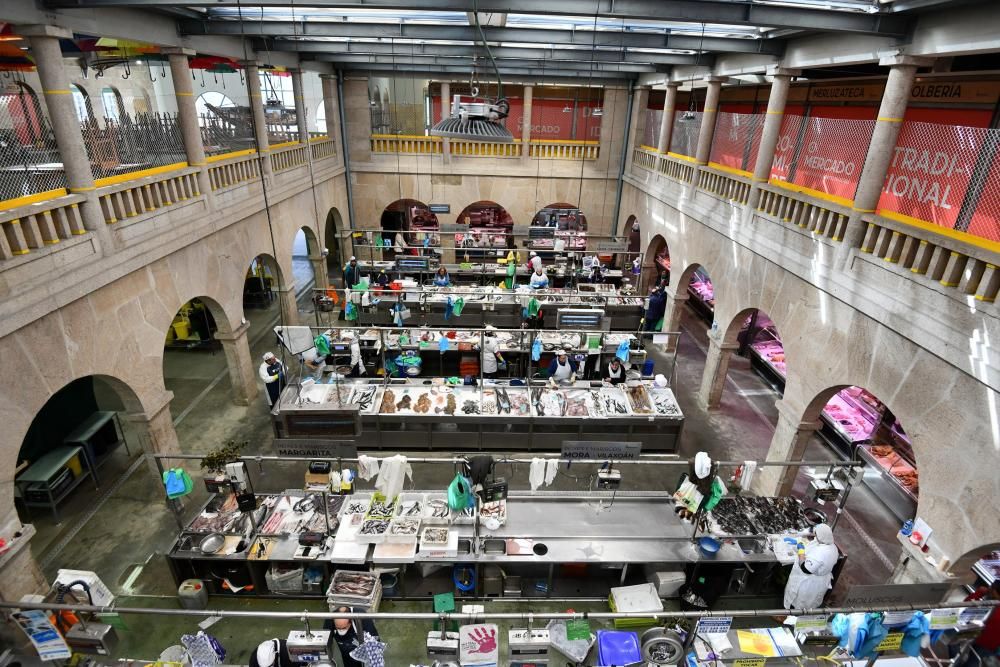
(442, 646)
(308, 646)
(92, 638)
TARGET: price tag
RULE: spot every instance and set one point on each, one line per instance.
(892, 642)
(578, 630)
(814, 623)
(712, 625)
(749, 662)
(944, 619)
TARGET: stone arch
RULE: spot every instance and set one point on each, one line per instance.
(655, 261)
(490, 226)
(962, 566)
(410, 216)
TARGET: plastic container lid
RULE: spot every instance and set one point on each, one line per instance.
(617, 647)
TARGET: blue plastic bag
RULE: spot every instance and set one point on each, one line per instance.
(536, 350)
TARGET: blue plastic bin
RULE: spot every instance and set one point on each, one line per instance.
(647, 368)
(616, 648)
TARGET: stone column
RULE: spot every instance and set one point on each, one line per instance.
(318, 262)
(187, 115)
(771, 131)
(20, 574)
(288, 304)
(445, 112)
(614, 109)
(301, 113)
(707, 130)
(155, 429)
(331, 105)
(252, 73)
(713, 379)
(674, 310)
(636, 123)
(902, 71)
(526, 125)
(242, 372)
(791, 435)
(358, 115)
(667, 122)
(47, 54)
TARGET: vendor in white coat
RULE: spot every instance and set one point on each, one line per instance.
(272, 372)
(538, 279)
(534, 261)
(491, 352)
(562, 369)
(357, 365)
(314, 362)
(812, 572)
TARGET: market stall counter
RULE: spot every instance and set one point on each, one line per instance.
(417, 414)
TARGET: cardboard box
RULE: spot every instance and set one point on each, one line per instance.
(100, 593)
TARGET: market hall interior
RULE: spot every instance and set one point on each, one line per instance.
(821, 213)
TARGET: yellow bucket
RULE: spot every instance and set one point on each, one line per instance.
(74, 466)
(181, 329)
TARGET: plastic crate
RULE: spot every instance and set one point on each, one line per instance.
(284, 580)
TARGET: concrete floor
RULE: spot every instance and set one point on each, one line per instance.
(121, 531)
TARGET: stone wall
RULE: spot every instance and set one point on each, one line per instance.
(948, 412)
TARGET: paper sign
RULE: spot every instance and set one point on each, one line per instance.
(47, 641)
(661, 339)
(578, 630)
(749, 662)
(709, 625)
(897, 617)
(944, 619)
(814, 623)
(975, 615)
(892, 642)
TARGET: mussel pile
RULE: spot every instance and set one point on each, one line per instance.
(741, 515)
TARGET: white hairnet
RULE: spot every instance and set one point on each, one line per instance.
(268, 355)
(824, 534)
(267, 653)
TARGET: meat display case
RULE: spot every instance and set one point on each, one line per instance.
(892, 478)
(702, 295)
(767, 354)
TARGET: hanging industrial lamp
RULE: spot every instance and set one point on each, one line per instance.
(478, 119)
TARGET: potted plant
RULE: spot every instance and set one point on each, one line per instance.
(214, 463)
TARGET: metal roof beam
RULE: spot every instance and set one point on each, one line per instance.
(432, 49)
(546, 74)
(582, 67)
(307, 29)
(741, 12)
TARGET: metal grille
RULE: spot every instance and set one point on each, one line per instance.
(684, 140)
(823, 154)
(29, 157)
(946, 175)
(736, 140)
(651, 134)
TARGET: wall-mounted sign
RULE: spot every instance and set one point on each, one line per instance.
(439, 208)
(602, 451)
(318, 447)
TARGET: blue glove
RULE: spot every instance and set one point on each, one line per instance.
(443, 344)
(536, 350)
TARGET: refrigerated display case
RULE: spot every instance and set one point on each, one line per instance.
(767, 354)
(702, 295)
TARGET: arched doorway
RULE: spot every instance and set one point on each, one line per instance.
(655, 265)
(81, 438)
(81, 102)
(262, 280)
(701, 292)
(568, 223)
(856, 424)
(409, 227)
(490, 227)
(335, 246)
(308, 267)
(759, 355)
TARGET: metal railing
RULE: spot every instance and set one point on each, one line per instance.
(465, 148)
(645, 157)
(542, 149)
(230, 169)
(52, 218)
(138, 194)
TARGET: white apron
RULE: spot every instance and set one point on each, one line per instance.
(806, 591)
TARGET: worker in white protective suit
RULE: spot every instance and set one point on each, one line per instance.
(272, 372)
(357, 365)
(812, 571)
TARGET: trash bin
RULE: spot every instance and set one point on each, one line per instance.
(192, 594)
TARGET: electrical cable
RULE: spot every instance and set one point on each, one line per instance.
(586, 125)
(486, 45)
(263, 187)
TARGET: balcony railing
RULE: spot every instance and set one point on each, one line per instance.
(322, 147)
(726, 182)
(33, 223)
(816, 212)
(287, 155)
(139, 193)
(672, 165)
(542, 149)
(230, 169)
